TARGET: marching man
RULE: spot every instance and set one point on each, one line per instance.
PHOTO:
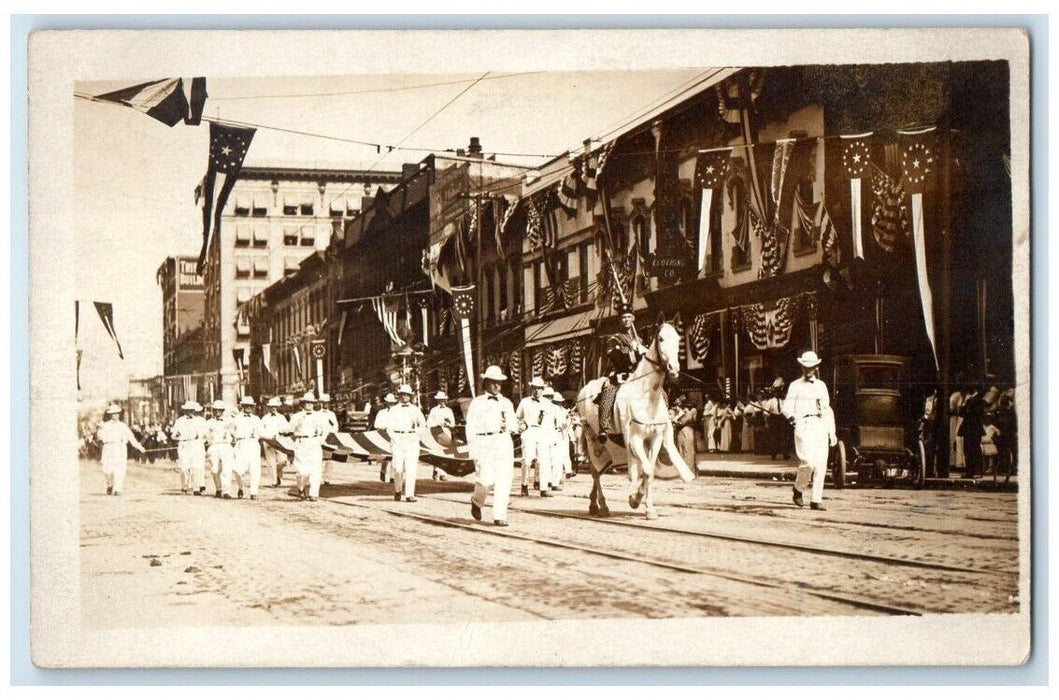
(114, 435)
(330, 421)
(560, 455)
(189, 431)
(308, 431)
(535, 423)
(272, 424)
(441, 416)
(808, 408)
(247, 431)
(404, 422)
(490, 421)
(381, 423)
(219, 453)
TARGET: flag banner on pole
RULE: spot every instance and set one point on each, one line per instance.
(228, 147)
(106, 314)
(77, 325)
(382, 311)
(856, 157)
(297, 361)
(462, 311)
(593, 171)
(918, 170)
(266, 357)
(570, 189)
(169, 100)
(711, 168)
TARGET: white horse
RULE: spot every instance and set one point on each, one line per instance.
(643, 416)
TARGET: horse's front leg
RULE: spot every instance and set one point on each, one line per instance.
(649, 475)
(637, 466)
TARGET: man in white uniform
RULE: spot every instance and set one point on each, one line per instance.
(490, 421)
(535, 423)
(115, 437)
(441, 416)
(560, 456)
(272, 425)
(403, 424)
(381, 418)
(308, 432)
(330, 423)
(808, 408)
(246, 428)
(219, 453)
(189, 431)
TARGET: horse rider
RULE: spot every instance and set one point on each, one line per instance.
(272, 424)
(189, 431)
(246, 428)
(808, 408)
(403, 424)
(440, 416)
(115, 436)
(624, 350)
(219, 453)
(490, 421)
(330, 426)
(534, 423)
(308, 431)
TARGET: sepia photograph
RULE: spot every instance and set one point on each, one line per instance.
(402, 353)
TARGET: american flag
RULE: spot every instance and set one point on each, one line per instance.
(228, 147)
(463, 302)
(890, 218)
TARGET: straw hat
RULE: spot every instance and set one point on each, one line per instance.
(405, 389)
(537, 383)
(218, 405)
(441, 396)
(247, 401)
(493, 372)
(274, 402)
(113, 409)
(188, 406)
(390, 398)
(308, 397)
(809, 359)
(325, 398)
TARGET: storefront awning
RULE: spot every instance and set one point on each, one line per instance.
(561, 328)
(705, 295)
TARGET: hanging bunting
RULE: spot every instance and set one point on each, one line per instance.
(569, 190)
(537, 364)
(593, 171)
(228, 147)
(918, 168)
(711, 169)
(856, 157)
(576, 355)
(769, 324)
(735, 187)
(702, 332)
(516, 369)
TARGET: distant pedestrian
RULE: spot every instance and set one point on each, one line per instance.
(956, 456)
(273, 424)
(927, 428)
(532, 415)
(441, 416)
(561, 466)
(381, 422)
(684, 418)
(115, 436)
(220, 456)
(971, 430)
(246, 429)
(808, 408)
(490, 422)
(404, 422)
(189, 432)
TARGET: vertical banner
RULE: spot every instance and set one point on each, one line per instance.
(711, 167)
(917, 168)
(106, 314)
(77, 325)
(856, 155)
(266, 356)
(463, 310)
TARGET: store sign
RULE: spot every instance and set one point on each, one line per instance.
(667, 266)
(188, 276)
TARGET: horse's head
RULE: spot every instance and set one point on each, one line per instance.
(667, 344)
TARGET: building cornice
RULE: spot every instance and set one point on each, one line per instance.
(319, 175)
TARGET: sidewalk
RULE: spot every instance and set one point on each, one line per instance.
(742, 465)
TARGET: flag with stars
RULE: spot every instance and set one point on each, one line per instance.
(856, 155)
(918, 162)
(228, 147)
(711, 169)
(463, 302)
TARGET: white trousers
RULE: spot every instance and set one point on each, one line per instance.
(810, 444)
(405, 463)
(328, 469)
(275, 461)
(248, 465)
(219, 459)
(115, 462)
(191, 455)
(494, 468)
(308, 463)
(536, 445)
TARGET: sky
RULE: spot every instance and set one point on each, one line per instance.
(134, 177)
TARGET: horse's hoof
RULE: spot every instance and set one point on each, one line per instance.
(593, 509)
(633, 503)
(652, 514)
(604, 512)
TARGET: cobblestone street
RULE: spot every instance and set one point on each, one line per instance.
(722, 547)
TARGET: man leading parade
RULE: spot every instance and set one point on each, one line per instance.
(308, 431)
(623, 351)
(404, 423)
(490, 422)
(808, 408)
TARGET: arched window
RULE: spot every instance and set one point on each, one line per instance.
(641, 232)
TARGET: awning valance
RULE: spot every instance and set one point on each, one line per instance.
(561, 328)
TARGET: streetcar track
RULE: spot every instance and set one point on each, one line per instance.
(877, 558)
(852, 601)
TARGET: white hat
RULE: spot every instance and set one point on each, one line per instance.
(537, 383)
(441, 396)
(390, 398)
(247, 401)
(557, 397)
(493, 372)
(308, 397)
(405, 389)
(809, 359)
(325, 398)
(188, 406)
(218, 405)
(548, 391)
(288, 400)
(274, 401)
(113, 409)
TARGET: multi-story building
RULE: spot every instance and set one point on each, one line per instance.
(183, 308)
(274, 218)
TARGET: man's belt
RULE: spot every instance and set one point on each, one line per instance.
(211, 444)
(239, 439)
(495, 432)
(189, 439)
(404, 432)
(811, 415)
(304, 437)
